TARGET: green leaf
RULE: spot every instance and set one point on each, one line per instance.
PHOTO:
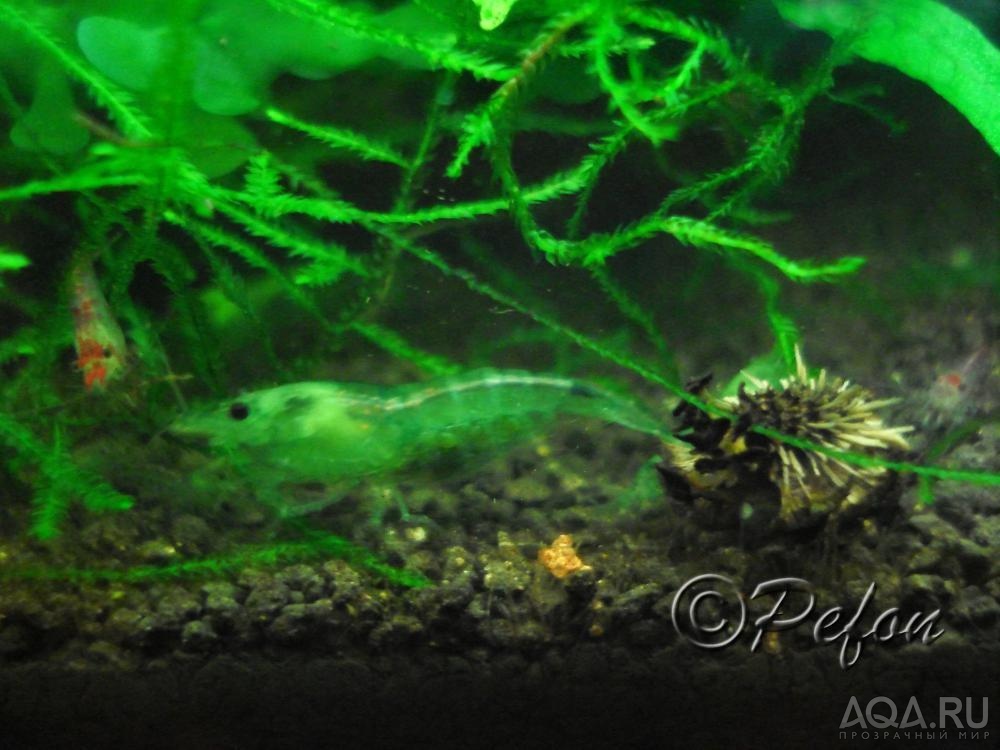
(11, 261)
(924, 39)
(49, 124)
(492, 13)
(118, 102)
(126, 53)
(225, 86)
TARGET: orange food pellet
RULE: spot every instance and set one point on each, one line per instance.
(561, 558)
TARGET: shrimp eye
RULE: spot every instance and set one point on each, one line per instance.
(239, 411)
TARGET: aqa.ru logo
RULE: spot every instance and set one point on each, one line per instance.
(881, 714)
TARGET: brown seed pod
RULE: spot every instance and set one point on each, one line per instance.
(726, 459)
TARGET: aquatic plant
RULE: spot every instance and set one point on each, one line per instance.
(725, 458)
(312, 545)
(229, 168)
(922, 38)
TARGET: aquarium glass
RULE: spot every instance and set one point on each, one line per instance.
(601, 359)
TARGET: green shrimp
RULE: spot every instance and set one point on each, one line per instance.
(337, 434)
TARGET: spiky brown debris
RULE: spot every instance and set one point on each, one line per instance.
(726, 456)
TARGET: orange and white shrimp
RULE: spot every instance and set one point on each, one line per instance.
(100, 344)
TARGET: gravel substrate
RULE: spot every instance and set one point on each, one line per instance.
(277, 656)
